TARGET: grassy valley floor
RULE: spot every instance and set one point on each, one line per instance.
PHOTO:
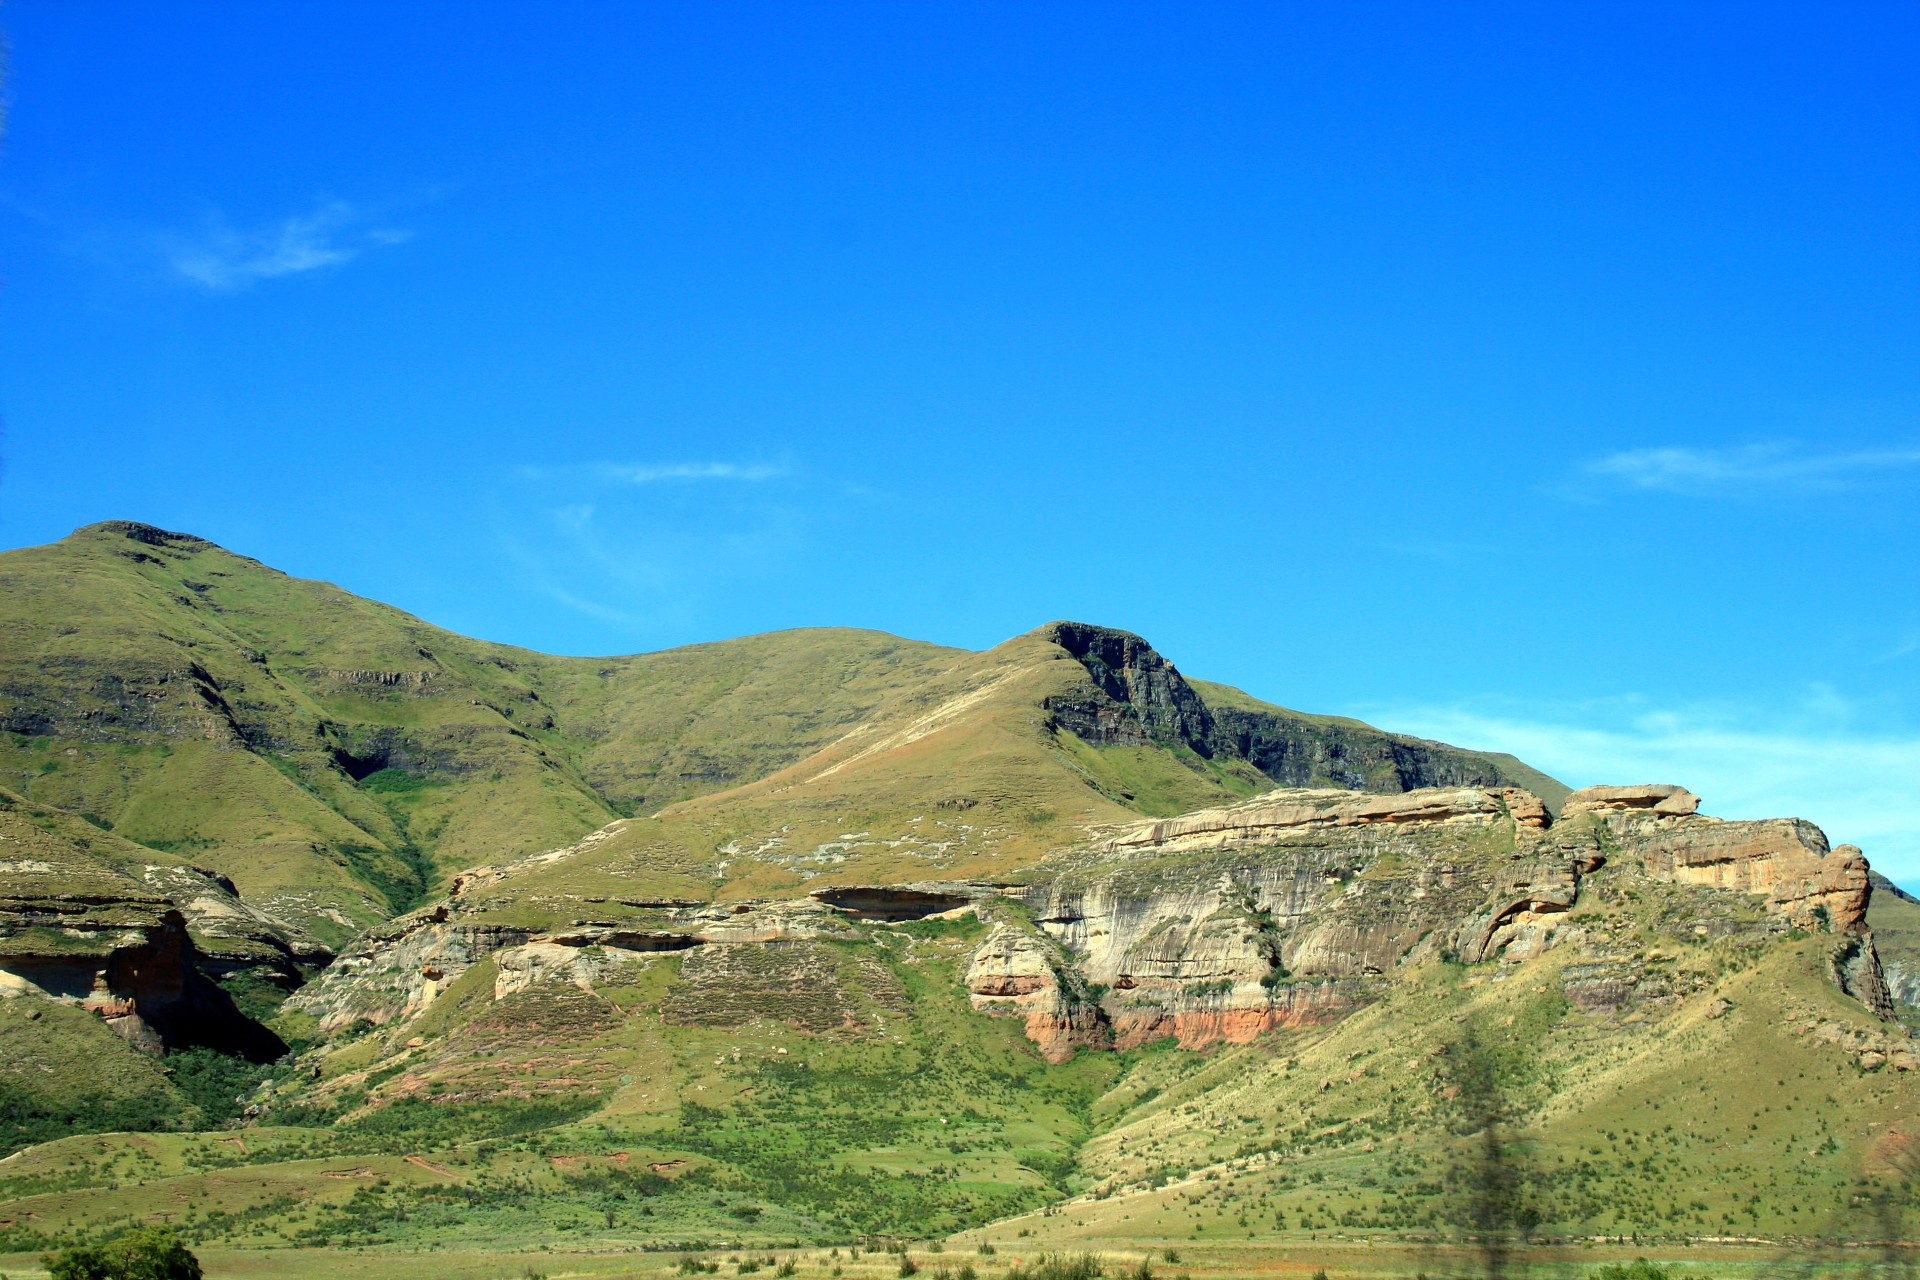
(1338, 1259)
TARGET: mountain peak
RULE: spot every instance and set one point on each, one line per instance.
(137, 531)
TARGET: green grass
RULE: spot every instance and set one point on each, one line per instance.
(341, 761)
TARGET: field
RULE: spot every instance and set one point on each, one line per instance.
(1339, 1260)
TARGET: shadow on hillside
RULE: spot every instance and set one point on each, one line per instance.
(1490, 1204)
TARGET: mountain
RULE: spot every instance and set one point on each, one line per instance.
(827, 936)
(340, 760)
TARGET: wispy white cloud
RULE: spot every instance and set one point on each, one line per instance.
(1811, 762)
(223, 259)
(690, 471)
(644, 546)
(1748, 468)
(623, 474)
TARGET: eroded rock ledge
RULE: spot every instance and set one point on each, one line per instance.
(1226, 923)
(1290, 908)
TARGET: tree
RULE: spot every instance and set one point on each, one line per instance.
(149, 1253)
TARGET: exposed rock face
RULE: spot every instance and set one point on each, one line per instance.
(518, 968)
(1230, 922)
(132, 964)
(1661, 798)
(1903, 983)
(1017, 973)
(396, 972)
(86, 918)
(1135, 696)
(1807, 885)
(1856, 971)
(1267, 817)
(1293, 907)
(1225, 923)
(1145, 698)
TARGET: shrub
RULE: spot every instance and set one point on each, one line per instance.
(1638, 1269)
(1060, 1266)
(150, 1253)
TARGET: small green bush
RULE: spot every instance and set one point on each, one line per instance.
(1638, 1269)
(150, 1253)
(1060, 1266)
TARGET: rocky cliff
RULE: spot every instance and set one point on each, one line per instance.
(1134, 696)
(1894, 916)
(133, 936)
(1294, 906)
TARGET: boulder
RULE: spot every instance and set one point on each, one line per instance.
(1660, 797)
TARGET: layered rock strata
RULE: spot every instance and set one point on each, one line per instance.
(1226, 923)
(91, 919)
(396, 972)
(1217, 926)
(132, 963)
(1134, 696)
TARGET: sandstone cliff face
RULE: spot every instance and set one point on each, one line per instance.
(396, 972)
(1227, 923)
(90, 919)
(132, 964)
(1223, 924)
(1808, 885)
(1019, 974)
(1290, 908)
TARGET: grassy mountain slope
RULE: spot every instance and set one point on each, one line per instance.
(340, 759)
(1621, 1123)
(638, 1032)
(337, 757)
(970, 774)
(642, 1112)
(842, 1088)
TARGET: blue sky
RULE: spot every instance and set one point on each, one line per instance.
(1540, 377)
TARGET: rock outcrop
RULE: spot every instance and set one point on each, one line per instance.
(1134, 696)
(1017, 973)
(1661, 798)
(397, 972)
(1225, 923)
(134, 936)
(1277, 812)
(1807, 885)
(131, 963)
(1290, 908)
(1140, 696)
